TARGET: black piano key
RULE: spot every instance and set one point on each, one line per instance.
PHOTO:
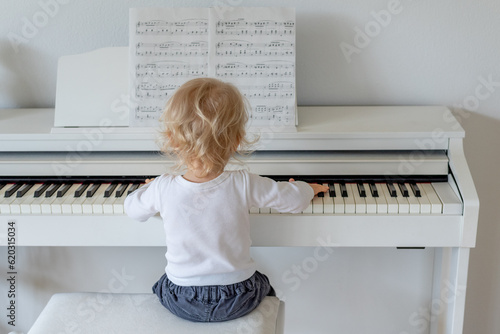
(373, 190)
(109, 190)
(332, 190)
(403, 189)
(392, 190)
(321, 194)
(416, 190)
(24, 189)
(361, 190)
(52, 189)
(2, 185)
(121, 190)
(61, 192)
(12, 190)
(133, 188)
(81, 189)
(343, 190)
(93, 189)
(41, 190)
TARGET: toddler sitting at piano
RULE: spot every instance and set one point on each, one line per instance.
(210, 275)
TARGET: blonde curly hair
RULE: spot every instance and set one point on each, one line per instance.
(204, 124)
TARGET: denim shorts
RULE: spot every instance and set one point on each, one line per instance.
(212, 303)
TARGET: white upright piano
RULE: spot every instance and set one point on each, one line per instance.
(397, 175)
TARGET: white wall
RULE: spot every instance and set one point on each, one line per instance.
(429, 52)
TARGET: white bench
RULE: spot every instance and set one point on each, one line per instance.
(110, 313)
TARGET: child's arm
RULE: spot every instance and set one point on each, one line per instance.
(292, 197)
(143, 203)
(317, 188)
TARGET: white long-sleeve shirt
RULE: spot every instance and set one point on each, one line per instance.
(207, 227)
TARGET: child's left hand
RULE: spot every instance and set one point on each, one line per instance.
(149, 180)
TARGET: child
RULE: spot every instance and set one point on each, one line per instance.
(210, 275)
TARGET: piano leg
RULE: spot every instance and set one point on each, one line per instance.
(449, 287)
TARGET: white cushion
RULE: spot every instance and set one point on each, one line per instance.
(109, 313)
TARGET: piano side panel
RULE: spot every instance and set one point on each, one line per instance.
(463, 177)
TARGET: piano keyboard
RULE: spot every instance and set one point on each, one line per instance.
(86, 198)
(106, 197)
(382, 198)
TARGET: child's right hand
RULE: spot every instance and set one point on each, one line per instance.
(317, 188)
(148, 180)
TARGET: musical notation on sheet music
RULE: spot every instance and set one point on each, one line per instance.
(255, 50)
(172, 48)
(171, 70)
(241, 26)
(272, 113)
(169, 46)
(196, 26)
(154, 90)
(267, 69)
(242, 48)
(275, 90)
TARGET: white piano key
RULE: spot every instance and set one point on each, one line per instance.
(392, 203)
(57, 205)
(349, 203)
(360, 203)
(403, 205)
(97, 205)
(425, 204)
(26, 203)
(36, 205)
(5, 201)
(15, 206)
(265, 210)
(46, 204)
(317, 205)
(107, 206)
(371, 202)
(436, 205)
(381, 201)
(412, 200)
(89, 201)
(274, 211)
(76, 204)
(67, 204)
(452, 205)
(328, 206)
(338, 201)
(118, 205)
(309, 209)
(254, 210)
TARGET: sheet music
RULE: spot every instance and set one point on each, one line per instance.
(253, 48)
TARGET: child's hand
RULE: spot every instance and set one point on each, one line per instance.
(317, 188)
(148, 180)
